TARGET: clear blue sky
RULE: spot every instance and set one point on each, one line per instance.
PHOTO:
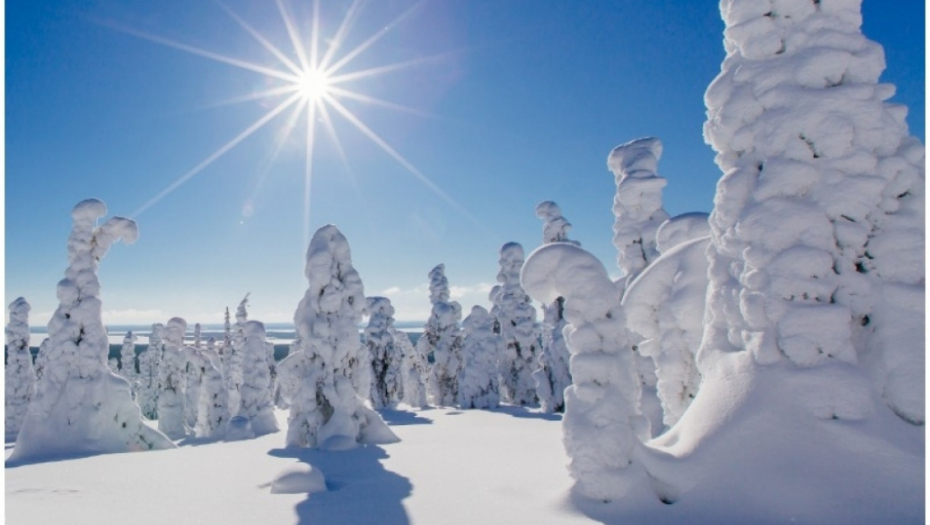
(518, 101)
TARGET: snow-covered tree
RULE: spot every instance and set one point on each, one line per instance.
(414, 369)
(516, 323)
(603, 425)
(80, 407)
(553, 374)
(255, 399)
(149, 363)
(818, 225)
(171, 400)
(664, 307)
(41, 361)
(20, 386)
(233, 354)
(637, 204)
(197, 339)
(326, 410)
(387, 388)
(127, 358)
(482, 350)
(442, 338)
(195, 368)
(213, 413)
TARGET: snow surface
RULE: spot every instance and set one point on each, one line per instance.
(508, 467)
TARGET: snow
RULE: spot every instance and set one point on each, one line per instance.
(20, 386)
(482, 350)
(442, 338)
(299, 479)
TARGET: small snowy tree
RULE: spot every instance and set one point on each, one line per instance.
(195, 364)
(326, 410)
(516, 323)
(149, 364)
(637, 205)
(41, 361)
(387, 388)
(553, 374)
(442, 338)
(255, 399)
(20, 384)
(233, 354)
(213, 413)
(80, 407)
(171, 400)
(127, 359)
(602, 425)
(414, 370)
(197, 339)
(482, 350)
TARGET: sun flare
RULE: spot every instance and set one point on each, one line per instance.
(313, 85)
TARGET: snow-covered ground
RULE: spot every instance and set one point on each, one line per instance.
(474, 466)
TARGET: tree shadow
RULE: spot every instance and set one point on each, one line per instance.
(359, 489)
(402, 417)
(526, 412)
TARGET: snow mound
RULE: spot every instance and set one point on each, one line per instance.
(302, 478)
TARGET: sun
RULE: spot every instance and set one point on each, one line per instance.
(313, 85)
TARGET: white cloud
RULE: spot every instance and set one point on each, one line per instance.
(461, 292)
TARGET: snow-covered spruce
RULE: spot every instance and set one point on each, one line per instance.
(387, 387)
(171, 379)
(80, 407)
(442, 338)
(127, 359)
(664, 306)
(149, 364)
(326, 410)
(482, 350)
(255, 398)
(516, 323)
(197, 338)
(194, 369)
(602, 425)
(41, 361)
(553, 374)
(232, 352)
(818, 227)
(637, 204)
(20, 384)
(414, 369)
(213, 412)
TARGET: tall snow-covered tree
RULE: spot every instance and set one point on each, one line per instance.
(818, 225)
(442, 338)
(20, 386)
(255, 399)
(553, 374)
(127, 357)
(80, 407)
(414, 369)
(171, 400)
(516, 323)
(233, 354)
(482, 350)
(326, 410)
(603, 425)
(387, 387)
(637, 204)
(149, 364)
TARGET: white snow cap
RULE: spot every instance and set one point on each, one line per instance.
(638, 202)
(555, 226)
(680, 229)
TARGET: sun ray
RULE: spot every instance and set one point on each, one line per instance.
(203, 52)
(280, 141)
(261, 39)
(314, 37)
(294, 35)
(399, 158)
(345, 93)
(217, 154)
(368, 43)
(308, 167)
(336, 42)
(331, 131)
(259, 95)
(380, 70)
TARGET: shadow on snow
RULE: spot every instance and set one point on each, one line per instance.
(525, 412)
(359, 489)
(402, 417)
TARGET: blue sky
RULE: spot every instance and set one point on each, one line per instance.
(511, 103)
